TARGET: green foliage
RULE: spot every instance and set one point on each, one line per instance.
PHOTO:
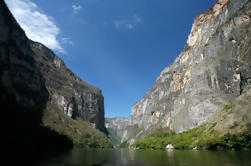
(185, 140)
(203, 137)
(112, 134)
(80, 132)
(124, 145)
(232, 141)
(249, 126)
(235, 125)
(227, 107)
(94, 142)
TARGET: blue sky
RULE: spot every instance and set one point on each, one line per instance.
(120, 46)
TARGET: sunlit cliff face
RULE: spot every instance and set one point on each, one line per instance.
(207, 15)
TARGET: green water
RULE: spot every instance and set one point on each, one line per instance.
(124, 157)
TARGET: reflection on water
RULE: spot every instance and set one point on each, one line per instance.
(126, 157)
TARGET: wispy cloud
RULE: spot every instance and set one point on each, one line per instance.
(76, 8)
(65, 40)
(137, 19)
(128, 23)
(36, 24)
(123, 23)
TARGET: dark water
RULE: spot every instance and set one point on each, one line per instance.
(124, 157)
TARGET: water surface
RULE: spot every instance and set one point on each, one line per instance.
(126, 157)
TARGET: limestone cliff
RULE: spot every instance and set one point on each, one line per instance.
(35, 83)
(212, 70)
(117, 128)
(73, 96)
(23, 96)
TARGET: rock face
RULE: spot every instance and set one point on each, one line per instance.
(117, 128)
(117, 123)
(236, 116)
(212, 70)
(33, 77)
(21, 81)
(73, 96)
(23, 94)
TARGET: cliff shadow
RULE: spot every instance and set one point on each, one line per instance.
(23, 97)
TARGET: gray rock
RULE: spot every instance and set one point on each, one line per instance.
(117, 128)
(73, 96)
(212, 70)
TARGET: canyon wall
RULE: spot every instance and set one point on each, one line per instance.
(213, 69)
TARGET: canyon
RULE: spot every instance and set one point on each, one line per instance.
(209, 83)
(48, 105)
(212, 71)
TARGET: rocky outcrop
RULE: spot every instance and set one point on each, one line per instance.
(212, 70)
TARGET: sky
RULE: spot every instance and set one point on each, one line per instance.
(119, 46)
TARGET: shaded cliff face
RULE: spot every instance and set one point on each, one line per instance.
(20, 77)
(23, 95)
(72, 95)
(212, 70)
(42, 97)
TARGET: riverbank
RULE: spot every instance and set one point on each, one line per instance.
(202, 137)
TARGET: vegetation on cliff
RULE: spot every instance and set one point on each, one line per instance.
(82, 133)
(200, 137)
(230, 129)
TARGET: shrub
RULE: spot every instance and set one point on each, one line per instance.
(201, 137)
(235, 125)
(227, 107)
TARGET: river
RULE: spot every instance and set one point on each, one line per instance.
(126, 157)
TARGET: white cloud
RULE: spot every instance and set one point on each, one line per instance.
(36, 24)
(76, 8)
(128, 23)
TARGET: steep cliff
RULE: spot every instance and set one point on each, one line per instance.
(23, 96)
(213, 69)
(230, 129)
(72, 95)
(117, 128)
(39, 92)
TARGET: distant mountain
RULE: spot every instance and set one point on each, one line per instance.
(117, 128)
